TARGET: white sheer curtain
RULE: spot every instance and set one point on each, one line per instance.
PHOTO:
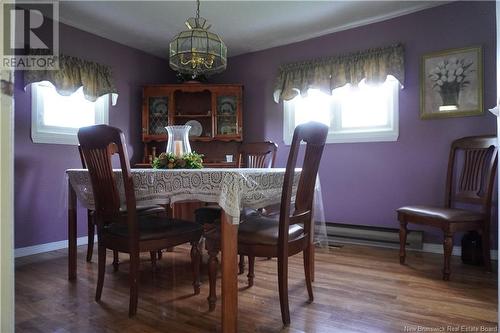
(320, 233)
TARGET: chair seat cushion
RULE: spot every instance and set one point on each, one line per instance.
(447, 214)
(258, 229)
(154, 227)
(145, 210)
(208, 214)
(212, 214)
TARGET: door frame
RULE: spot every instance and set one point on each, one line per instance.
(7, 304)
(6, 212)
(498, 131)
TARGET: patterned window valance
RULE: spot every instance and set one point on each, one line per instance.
(96, 79)
(329, 73)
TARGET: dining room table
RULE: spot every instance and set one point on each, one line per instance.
(232, 189)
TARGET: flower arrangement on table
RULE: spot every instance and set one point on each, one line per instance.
(449, 77)
(191, 160)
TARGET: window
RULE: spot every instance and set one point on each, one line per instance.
(364, 113)
(56, 118)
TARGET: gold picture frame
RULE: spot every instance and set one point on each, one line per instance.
(451, 83)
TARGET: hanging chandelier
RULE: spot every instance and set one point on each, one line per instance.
(197, 51)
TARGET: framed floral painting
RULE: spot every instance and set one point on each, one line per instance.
(451, 83)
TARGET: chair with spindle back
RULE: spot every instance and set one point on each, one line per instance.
(257, 155)
(289, 232)
(129, 233)
(473, 186)
(250, 155)
(142, 210)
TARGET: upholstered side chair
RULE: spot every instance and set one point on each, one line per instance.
(284, 234)
(130, 232)
(471, 173)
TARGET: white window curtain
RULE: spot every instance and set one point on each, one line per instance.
(372, 65)
(74, 73)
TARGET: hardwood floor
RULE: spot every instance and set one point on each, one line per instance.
(357, 289)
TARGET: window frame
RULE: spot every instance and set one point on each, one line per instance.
(41, 133)
(337, 135)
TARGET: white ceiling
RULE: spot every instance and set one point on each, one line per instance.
(245, 26)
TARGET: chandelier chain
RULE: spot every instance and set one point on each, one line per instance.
(197, 9)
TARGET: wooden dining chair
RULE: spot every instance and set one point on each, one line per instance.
(141, 209)
(250, 155)
(129, 233)
(287, 233)
(257, 155)
(471, 175)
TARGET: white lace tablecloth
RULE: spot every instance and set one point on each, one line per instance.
(232, 189)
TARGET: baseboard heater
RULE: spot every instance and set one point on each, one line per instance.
(361, 234)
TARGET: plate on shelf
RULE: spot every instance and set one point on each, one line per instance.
(196, 128)
(159, 107)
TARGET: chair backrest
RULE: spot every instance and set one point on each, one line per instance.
(97, 146)
(82, 159)
(314, 135)
(257, 154)
(471, 171)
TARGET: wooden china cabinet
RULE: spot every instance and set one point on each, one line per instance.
(214, 112)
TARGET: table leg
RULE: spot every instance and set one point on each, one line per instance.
(71, 233)
(229, 248)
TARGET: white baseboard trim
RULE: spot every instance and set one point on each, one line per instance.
(427, 247)
(457, 250)
(47, 247)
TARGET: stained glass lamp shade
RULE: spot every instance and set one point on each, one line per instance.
(197, 51)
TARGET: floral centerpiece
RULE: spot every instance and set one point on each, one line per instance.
(449, 77)
(170, 161)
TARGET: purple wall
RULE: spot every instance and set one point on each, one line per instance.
(363, 183)
(40, 202)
